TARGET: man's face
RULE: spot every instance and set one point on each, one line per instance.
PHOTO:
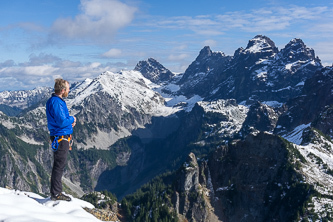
(66, 91)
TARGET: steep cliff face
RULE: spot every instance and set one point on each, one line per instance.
(189, 198)
(200, 75)
(254, 180)
(313, 105)
(251, 180)
(154, 71)
(260, 117)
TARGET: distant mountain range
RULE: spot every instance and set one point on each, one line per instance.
(243, 138)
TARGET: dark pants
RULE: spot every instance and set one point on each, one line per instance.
(59, 163)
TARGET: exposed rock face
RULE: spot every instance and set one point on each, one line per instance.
(246, 178)
(249, 180)
(260, 118)
(324, 121)
(313, 105)
(260, 47)
(202, 71)
(103, 215)
(190, 179)
(296, 51)
(188, 198)
(154, 71)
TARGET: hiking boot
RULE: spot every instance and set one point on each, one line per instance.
(61, 196)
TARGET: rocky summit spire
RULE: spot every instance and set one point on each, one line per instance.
(153, 70)
(296, 50)
(207, 60)
(261, 43)
(204, 53)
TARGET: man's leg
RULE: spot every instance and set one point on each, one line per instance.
(59, 163)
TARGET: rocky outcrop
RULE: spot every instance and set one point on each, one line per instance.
(188, 199)
(251, 180)
(103, 215)
(154, 71)
(260, 117)
(200, 75)
(254, 181)
(313, 106)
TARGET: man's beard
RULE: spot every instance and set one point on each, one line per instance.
(65, 94)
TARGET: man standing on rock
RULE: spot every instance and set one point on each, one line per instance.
(60, 125)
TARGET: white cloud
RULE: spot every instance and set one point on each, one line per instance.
(42, 58)
(99, 21)
(181, 47)
(112, 53)
(178, 57)
(210, 42)
(29, 75)
(28, 26)
(260, 20)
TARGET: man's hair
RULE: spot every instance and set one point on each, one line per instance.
(59, 85)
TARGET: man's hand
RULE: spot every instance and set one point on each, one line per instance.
(74, 123)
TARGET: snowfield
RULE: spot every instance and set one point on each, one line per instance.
(18, 206)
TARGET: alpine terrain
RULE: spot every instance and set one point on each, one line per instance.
(246, 137)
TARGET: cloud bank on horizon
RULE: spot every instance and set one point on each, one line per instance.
(82, 39)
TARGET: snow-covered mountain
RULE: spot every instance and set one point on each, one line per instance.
(134, 125)
(115, 104)
(154, 71)
(24, 98)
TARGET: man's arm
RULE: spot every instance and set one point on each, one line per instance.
(61, 118)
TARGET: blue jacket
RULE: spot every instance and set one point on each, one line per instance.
(59, 121)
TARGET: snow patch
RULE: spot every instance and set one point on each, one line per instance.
(17, 206)
(296, 135)
(274, 104)
(235, 115)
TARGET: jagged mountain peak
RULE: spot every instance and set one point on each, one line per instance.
(297, 50)
(296, 41)
(206, 62)
(261, 43)
(153, 70)
(206, 52)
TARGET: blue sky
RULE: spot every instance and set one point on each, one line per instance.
(41, 40)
